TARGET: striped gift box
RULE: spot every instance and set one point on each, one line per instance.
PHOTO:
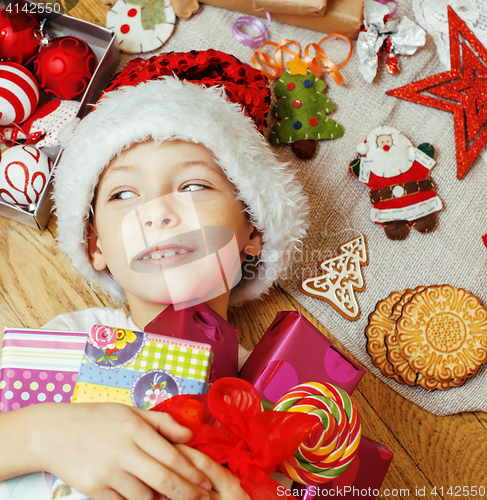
(38, 366)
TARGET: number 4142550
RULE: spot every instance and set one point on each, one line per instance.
(33, 8)
(459, 491)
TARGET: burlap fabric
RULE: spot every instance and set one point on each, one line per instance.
(340, 206)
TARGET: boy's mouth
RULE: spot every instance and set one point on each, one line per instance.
(166, 254)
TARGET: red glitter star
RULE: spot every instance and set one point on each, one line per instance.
(461, 91)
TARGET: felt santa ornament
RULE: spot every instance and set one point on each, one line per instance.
(398, 175)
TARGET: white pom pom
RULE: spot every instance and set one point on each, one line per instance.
(362, 149)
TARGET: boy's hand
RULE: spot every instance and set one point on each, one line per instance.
(114, 452)
(226, 486)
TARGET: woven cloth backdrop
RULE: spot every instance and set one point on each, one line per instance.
(340, 206)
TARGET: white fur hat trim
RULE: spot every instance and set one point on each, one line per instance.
(168, 109)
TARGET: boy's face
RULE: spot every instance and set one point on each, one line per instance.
(168, 225)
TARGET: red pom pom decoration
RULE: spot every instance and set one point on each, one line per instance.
(19, 93)
(64, 67)
(18, 41)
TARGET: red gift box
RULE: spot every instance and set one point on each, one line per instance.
(362, 479)
(293, 351)
(200, 323)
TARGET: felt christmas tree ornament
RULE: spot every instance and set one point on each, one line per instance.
(219, 104)
(301, 109)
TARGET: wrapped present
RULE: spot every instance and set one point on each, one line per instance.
(362, 479)
(200, 323)
(38, 366)
(301, 8)
(340, 16)
(140, 369)
(292, 351)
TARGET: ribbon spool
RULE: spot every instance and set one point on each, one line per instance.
(318, 64)
(329, 450)
(254, 24)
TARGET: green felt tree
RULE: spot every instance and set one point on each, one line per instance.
(302, 110)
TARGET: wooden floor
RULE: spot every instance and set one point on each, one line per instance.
(36, 284)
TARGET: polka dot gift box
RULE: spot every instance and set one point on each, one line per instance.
(291, 352)
(140, 369)
(38, 366)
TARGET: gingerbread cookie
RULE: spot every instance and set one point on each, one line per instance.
(442, 333)
(380, 325)
(341, 278)
(439, 316)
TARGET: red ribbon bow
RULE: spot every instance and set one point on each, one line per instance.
(230, 427)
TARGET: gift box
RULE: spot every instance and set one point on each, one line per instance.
(200, 323)
(340, 16)
(292, 351)
(102, 42)
(140, 369)
(362, 479)
(38, 366)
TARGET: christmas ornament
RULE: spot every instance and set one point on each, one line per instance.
(18, 40)
(141, 25)
(45, 122)
(460, 91)
(341, 277)
(301, 109)
(64, 67)
(398, 176)
(24, 172)
(19, 93)
(384, 37)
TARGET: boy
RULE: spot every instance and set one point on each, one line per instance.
(143, 145)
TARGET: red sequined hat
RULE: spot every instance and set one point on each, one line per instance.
(243, 84)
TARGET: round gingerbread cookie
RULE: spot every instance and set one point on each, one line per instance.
(394, 356)
(380, 324)
(442, 333)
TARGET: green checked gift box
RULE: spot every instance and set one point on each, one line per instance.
(140, 369)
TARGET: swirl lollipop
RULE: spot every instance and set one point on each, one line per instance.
(328, 451)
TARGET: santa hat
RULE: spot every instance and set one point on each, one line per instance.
(141, 104)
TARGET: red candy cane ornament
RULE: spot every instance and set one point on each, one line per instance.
(19, 93)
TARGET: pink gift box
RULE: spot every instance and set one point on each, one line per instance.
(291, 352)
(361, 480)
(38, 366)
(200, 323)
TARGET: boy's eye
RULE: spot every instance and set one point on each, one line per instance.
(123, 195)
(190, 187)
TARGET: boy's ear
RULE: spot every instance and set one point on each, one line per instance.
(94, 249)
(254, 243)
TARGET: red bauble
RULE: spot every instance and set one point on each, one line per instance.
(18, 42)
(64, 67)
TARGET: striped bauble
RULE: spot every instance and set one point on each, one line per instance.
(19, 93)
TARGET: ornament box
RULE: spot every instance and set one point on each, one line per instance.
(102, 42)
(340, 16)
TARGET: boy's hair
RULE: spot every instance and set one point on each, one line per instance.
(169, 109)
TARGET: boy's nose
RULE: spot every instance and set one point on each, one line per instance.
(165, 221)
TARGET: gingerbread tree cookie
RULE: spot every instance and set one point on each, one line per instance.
(302, 110)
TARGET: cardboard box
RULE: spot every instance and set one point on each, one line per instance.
(341, 16)
(102, 42)
(140, 369)
(291, 352)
